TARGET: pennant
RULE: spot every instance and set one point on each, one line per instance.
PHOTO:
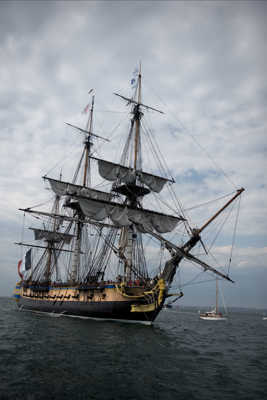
(86, 108)
(134, 80)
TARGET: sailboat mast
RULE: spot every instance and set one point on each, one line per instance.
(216, 306)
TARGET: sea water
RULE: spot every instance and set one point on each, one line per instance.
(179, 357)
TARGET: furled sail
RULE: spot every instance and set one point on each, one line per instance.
(51, 235)
(122, 215)
(65, 188)
(111, 172)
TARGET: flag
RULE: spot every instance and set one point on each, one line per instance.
(134, 80)
(25, 264)
(86, 108)
(28, 260)
(19, 265)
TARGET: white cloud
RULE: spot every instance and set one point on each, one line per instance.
(204, 65)
(248, 257)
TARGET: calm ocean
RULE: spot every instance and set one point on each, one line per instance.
(180, 357)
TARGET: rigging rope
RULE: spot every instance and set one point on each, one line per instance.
(221, 227)
(22, 235)
(192, 280)
(195, 140)
(155, 149)
(209, 202)
(41, 204)
(223, 300)
(62, 160)
(78, 167)
(234, 233)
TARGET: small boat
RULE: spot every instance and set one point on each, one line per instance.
(214, 315)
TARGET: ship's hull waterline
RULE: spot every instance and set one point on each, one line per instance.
(106, 304)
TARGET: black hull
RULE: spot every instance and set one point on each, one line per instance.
(113, 310)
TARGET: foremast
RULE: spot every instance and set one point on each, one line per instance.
(128, 234)
(79, 224)
(53, 237)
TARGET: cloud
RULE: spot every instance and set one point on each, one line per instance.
(203, 65)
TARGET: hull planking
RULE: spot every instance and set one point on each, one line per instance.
(105, 303)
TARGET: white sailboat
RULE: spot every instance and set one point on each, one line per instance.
(214, 315)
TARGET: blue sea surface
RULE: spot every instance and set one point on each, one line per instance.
(179, 357)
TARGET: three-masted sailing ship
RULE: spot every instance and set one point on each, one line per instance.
(89, 259)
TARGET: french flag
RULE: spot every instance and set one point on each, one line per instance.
(85, 110)
(25, 264)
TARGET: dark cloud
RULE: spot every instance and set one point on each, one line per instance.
(204, 64)
(25, 17)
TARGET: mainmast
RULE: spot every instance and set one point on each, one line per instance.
(129, 181)
(128, 238)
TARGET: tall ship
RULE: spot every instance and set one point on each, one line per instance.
(90, 257)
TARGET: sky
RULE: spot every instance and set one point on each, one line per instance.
(203, 63)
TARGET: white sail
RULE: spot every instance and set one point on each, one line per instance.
(51, 235)
(122, 215)
(65, 188)
(111, 172)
